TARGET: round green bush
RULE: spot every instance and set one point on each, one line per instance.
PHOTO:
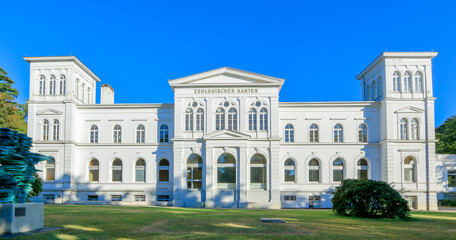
(370, 199)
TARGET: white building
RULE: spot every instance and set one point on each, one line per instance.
(227, 141)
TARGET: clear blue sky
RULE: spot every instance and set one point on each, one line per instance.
(317, 46)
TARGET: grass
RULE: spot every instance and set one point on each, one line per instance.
(114, 222)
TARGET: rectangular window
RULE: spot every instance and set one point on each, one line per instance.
(49, 198)
(92, 198)
(140, 198)
(258, 177)
(338, 175)
(289, 175)
(163, 175)
(362, 174)
(117, 175)
(140, 175)
(289, 198)
(162, 197)
(226, 177)
(409, 176)
(314, 175)
(314, 202)
(452, 178)
(93, 175)
(50, 174)
(116, 198)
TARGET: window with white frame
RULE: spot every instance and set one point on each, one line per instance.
(89, 95)
(140, 170)
(314, 201)
(289, 197)
(396, 81)
(62, 84)
(188, 119)
(289, 170)
(76, 92)
(407, 82)
(338, 170)
(409, 169)
(45, 129)
(314, 170)
(414, 129)
(140, 134)
(363, 169)
(42, 85)
(199, 119)
(50, 169)
(226, 171)
(220, 119)
(164, 133)
(418, 82)
(258, 172)
(116, 171)
(232, 119)
(117, 134)
(94, 171)
(163, 170)
(52, 83)
(451, 178)
(289, 133)
(194, 172)
(403, 129)
(252, 119)
(374, 90)
(56, 128)
(338, 133)
(83, 97)
(313, 133)
(362, 133)
(140, 198)
(263, 119)
(94, 134)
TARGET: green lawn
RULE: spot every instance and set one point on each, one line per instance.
(113, 222)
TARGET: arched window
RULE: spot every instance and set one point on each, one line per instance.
(418, 82)
(338, 133)
(94, 134)
(77, 89)
(50, 169)
(83, 92)
(226, 171)
(252, 119)
(94, 171)
(194, 172)
(258, 172)
(290, 170)
(163, 170)
(289, 133)
(232, 119)
(45, 129)
(52, 83)
(368, 92)
(363, 169)
(414, 129)
(140, 171)
(396, 81)
(140, 134)
(314, 171)
(117, 170)
(117, 134)
(407, 82)
(338, 170)
(409, 169)
(362, 133)
(374, 90)
(62, 84)
(199, 119)
(379, 87)
(313, 133)
(263, 119)
(56, 126)
(220, 119)
(42, 85)
(189, 119)
(164, 133)
(403, 127)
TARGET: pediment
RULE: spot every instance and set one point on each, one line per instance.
(226, 135)
(49, 111)
(409, 110)
(226, 77)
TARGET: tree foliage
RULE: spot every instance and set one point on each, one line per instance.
(12, 114)
(446, 134)
(369, 198)
(37, 187)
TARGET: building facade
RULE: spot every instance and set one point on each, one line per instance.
(227, 140)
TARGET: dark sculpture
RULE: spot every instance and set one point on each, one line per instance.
(17, 166)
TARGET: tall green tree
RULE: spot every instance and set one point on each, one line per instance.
(12, 114)
(446, 134)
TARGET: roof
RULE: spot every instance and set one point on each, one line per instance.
(63, 59)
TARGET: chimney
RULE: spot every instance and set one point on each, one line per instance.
(107, 94)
